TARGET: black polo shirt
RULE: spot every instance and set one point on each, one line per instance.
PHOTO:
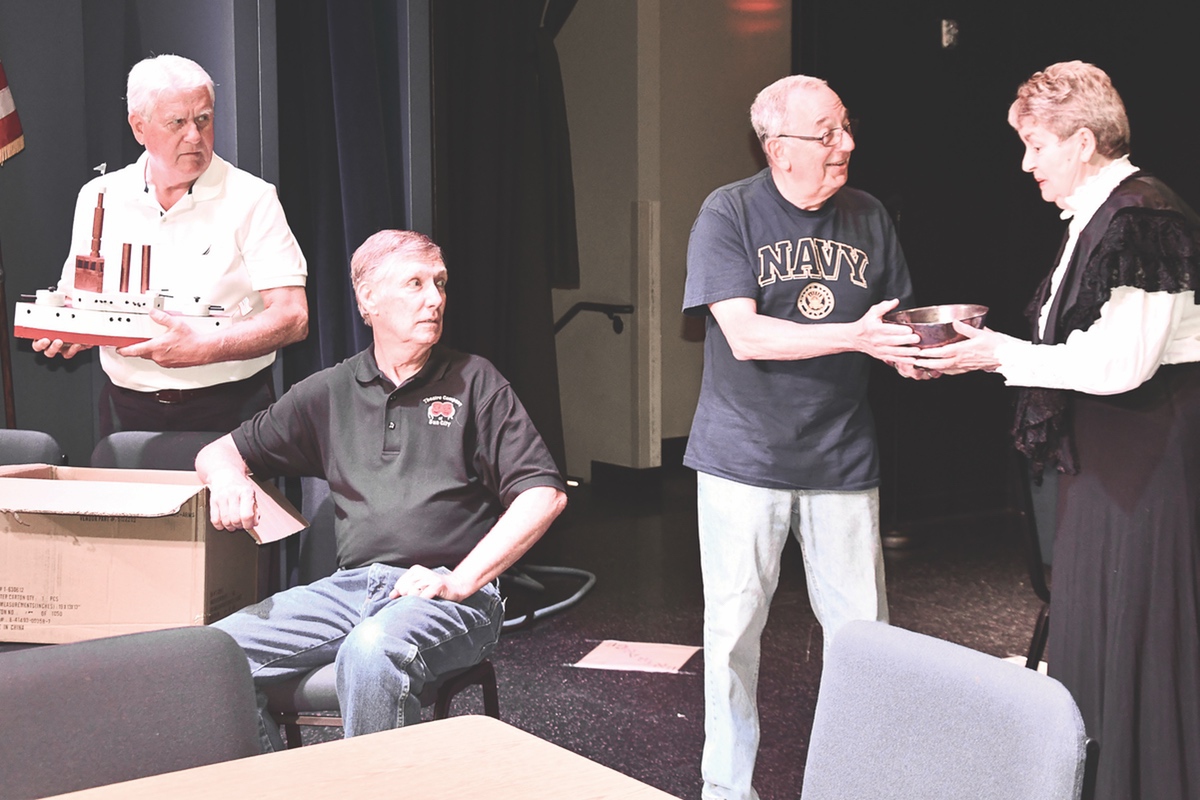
(418, 474)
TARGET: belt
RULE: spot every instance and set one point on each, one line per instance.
(174, 397)
(171, 397)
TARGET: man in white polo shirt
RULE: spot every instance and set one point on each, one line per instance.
(216, 234)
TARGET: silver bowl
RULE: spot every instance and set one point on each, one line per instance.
(933, 323)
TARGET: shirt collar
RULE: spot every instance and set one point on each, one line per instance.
(209, 182)
(367, 370)
(1092, 193)
(203, 188)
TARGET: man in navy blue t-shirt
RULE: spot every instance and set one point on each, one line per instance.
(793, 272)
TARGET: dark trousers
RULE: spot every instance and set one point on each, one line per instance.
(221, 407)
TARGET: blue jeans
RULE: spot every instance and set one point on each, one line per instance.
(385, 650)
(742, 533)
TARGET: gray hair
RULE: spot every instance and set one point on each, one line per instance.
(385, 246)
(152, 76)
(769, 109)
(1070, 95)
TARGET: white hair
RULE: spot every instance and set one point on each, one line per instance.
(152, 76)
(769, 110)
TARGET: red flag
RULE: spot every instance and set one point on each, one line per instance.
(12, 138)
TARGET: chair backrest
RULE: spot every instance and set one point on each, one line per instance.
(151, 450)
(903, 715)
(29, 447)
(317, 555)
(107, 710)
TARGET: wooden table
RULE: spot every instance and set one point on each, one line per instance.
(465, 757)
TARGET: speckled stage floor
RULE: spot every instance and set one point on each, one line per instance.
(963, 580)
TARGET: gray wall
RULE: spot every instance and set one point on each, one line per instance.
(66, 62)
(658, 96)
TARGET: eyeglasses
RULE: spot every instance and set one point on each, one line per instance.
(830, 138)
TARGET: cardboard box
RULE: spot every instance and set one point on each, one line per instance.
(86, 553)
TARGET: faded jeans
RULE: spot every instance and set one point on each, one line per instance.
(385, 650)
(742, 533)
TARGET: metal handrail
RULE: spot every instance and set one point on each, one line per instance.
(610, 310)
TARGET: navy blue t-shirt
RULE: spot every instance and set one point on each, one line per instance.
(789, 424)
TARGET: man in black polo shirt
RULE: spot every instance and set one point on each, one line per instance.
(440, 482)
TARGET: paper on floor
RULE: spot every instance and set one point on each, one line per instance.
(639, 656)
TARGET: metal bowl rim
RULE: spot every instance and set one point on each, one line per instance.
(970, 311)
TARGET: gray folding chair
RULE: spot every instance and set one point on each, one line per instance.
(901, 715)
(151, 450)
(312, 698)
(30, 447)
(108, 710)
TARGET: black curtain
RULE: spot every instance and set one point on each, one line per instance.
(341, 171)
(341, 179)
(558, 184)
(504, 205)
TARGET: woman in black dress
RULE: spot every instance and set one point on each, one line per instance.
(1111, 399)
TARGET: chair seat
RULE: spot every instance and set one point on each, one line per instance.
(312, 698)
(314, 692)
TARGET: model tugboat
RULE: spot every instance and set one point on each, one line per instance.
(87, 314)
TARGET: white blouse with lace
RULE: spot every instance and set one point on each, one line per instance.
(1137, 330)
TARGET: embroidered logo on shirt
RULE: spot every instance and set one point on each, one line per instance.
(441, 410)
(815, 301)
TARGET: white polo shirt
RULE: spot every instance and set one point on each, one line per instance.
(224, 242)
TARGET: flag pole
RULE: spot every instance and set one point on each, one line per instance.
(12, 141)
(10, 411)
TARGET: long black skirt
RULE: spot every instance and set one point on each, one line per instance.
(1125, 601)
